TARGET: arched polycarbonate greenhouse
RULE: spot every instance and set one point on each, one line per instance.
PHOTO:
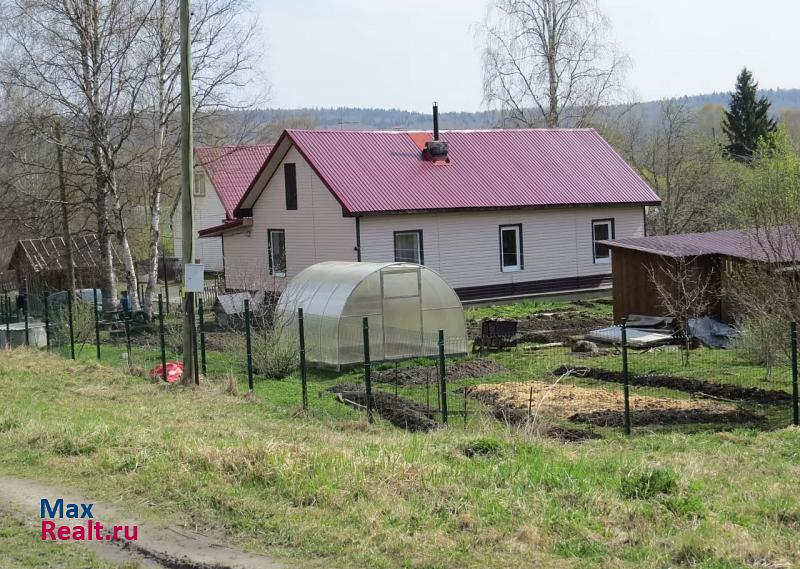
(406, 306)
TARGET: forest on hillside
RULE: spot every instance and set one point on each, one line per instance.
(354, 118)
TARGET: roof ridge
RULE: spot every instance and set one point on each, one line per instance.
(464, 130)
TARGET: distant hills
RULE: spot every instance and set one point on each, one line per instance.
(387, 119)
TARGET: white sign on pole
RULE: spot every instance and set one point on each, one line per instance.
(193, 277)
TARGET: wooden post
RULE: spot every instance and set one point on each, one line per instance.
(187, 187)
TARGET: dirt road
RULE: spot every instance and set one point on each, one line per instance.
(156, 547)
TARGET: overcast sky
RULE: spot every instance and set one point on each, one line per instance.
(406, 53)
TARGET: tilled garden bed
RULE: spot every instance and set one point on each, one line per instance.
(694, 386)
(399, 411)
(516, 402)
(470, 369)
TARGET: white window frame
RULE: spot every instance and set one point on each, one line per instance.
(518, 266)
(416, 233)
(271, 253)
(199, 183)
(596, 223)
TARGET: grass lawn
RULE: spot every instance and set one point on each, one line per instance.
(330, 490)
(523, 308)
(22, 548)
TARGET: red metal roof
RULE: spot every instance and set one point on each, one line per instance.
(383, 171)
(781, 245)
(232, 169)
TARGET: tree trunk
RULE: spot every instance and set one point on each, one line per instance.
(551, 120)
(69, 260)
(126, 253)
(155, 235)
(108, 278)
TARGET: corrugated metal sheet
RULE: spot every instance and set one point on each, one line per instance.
(232, 169)
(383, 171)
(781, 245)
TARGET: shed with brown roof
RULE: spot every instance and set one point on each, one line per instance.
(43, 263)
(712, 254)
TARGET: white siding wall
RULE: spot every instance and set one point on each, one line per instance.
(464, 248)
(315, 232)
(208, 212)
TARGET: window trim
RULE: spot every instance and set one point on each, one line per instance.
(420, 244)
(520, 266)
(199, 190)
(270, 260)
(287, 168)
(612, 233)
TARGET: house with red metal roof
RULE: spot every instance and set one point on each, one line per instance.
(497, 213)
(222, 175)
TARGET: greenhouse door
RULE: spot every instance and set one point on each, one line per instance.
(401, 292)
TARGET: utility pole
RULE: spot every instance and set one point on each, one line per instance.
(187, 189)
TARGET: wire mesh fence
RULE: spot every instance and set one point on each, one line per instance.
(573, 389)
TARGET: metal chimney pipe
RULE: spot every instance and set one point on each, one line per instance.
(435, 120)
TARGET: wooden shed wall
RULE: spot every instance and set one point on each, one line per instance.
(634, 293)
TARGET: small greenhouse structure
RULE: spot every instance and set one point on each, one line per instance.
(406, 306)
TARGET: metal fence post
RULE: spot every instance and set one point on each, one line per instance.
(442, 378)
(202, 337)
(7, 308)
(127, 323)
(195, 350)
(625, 378)
(303, 377)
(25, 313)
(96, 325)
(70, 325)
(161, 337)
(47, 321)
(795, 406)
(25, 310)
(248, 345)
(367, 368)
(166, 281)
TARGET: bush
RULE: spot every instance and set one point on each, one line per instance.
(83, 326)
(273, 357)
(486, 446)
(643, 485)
(764, 342)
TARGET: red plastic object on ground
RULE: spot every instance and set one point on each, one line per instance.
(174, 372)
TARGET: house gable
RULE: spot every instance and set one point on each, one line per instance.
(316, 231)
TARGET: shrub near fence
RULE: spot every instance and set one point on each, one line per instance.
(549, 388)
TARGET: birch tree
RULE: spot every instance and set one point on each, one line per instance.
(549, 62)
(80, 57)
(223, 63)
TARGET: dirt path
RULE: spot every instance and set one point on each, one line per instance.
(156, 547)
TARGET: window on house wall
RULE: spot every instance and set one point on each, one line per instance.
(290, 183)
(276, 252)
(199, 184)
(602, 230)
(408, 247)
(511, 248)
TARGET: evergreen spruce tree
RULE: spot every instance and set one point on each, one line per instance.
(747, 120)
